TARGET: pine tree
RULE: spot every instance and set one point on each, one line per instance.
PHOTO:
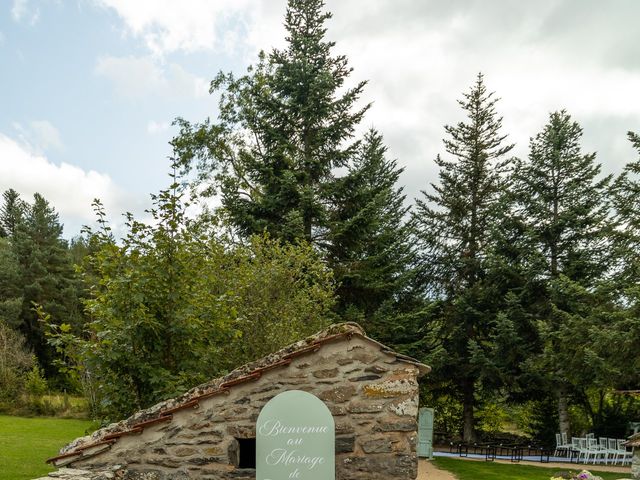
(371, 251)
(11, 213)
(281, 131)
(455, 225)
(47, 276)
(563, 203)
(622, 338)
(626, 201)
(10, 291)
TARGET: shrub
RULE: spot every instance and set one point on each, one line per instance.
(15, 362)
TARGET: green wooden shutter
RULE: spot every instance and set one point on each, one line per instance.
(425, 433)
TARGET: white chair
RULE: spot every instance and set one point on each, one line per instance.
(593, 450)
(562, 447)
(579, 445)
(612, 450)
(623, 454)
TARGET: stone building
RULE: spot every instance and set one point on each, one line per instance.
(209, 432)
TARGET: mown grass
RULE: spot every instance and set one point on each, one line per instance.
(479, 470)
(25, 443)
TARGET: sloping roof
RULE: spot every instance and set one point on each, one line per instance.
(102, 439)
(634, 441)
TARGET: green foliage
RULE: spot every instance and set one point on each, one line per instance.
(625, 196)
(15, 362)
(10, 291)
(283, 135)
(371, 251)
(492, 418)
(35, 383)
(447, 415)
(12, 213)
(562, 204)
(455, 224)
(174, 306)
(539, 420)
(36, 269)
(281, 130)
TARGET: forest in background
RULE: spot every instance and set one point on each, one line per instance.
(516, 279)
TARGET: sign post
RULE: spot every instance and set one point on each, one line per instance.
(295, 439)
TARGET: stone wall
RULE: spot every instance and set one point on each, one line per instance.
(372, 395)
(635, 463)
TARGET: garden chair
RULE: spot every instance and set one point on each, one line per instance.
(612, 450)
(575, 449)
(624, 454)
(562, 446)
(578, 448)
(594, 450)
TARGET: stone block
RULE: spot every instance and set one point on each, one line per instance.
(345, 444)
(338, 394)
(184, 451)
(396, 426)
(365, 407)
(242, 430)
(392, 386)
(344, 361)
(344, 427)
(326, 373)
(406, 406)
(376, 445)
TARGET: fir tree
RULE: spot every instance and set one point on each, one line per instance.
(10, 291)
(371, 250)
(622, 338)
(11, 213)
(564, 206)
(281, 130)
(455, 224)
(626, 201)
(47, 276)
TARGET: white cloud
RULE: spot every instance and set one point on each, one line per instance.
(21, 10)
(136, 77)
(420, 56)
(154, 127)
(68, 188)
(39, 136)
(167, 25)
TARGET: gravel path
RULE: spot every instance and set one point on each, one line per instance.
(428, 471)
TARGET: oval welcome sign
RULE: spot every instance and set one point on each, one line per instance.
(295, 438)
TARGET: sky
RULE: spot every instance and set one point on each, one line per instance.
(90, 87)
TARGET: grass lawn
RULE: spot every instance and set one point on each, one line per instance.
(25, 443)
(471, 470)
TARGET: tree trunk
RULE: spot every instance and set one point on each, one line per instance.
(469, 421)
(563, 411)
